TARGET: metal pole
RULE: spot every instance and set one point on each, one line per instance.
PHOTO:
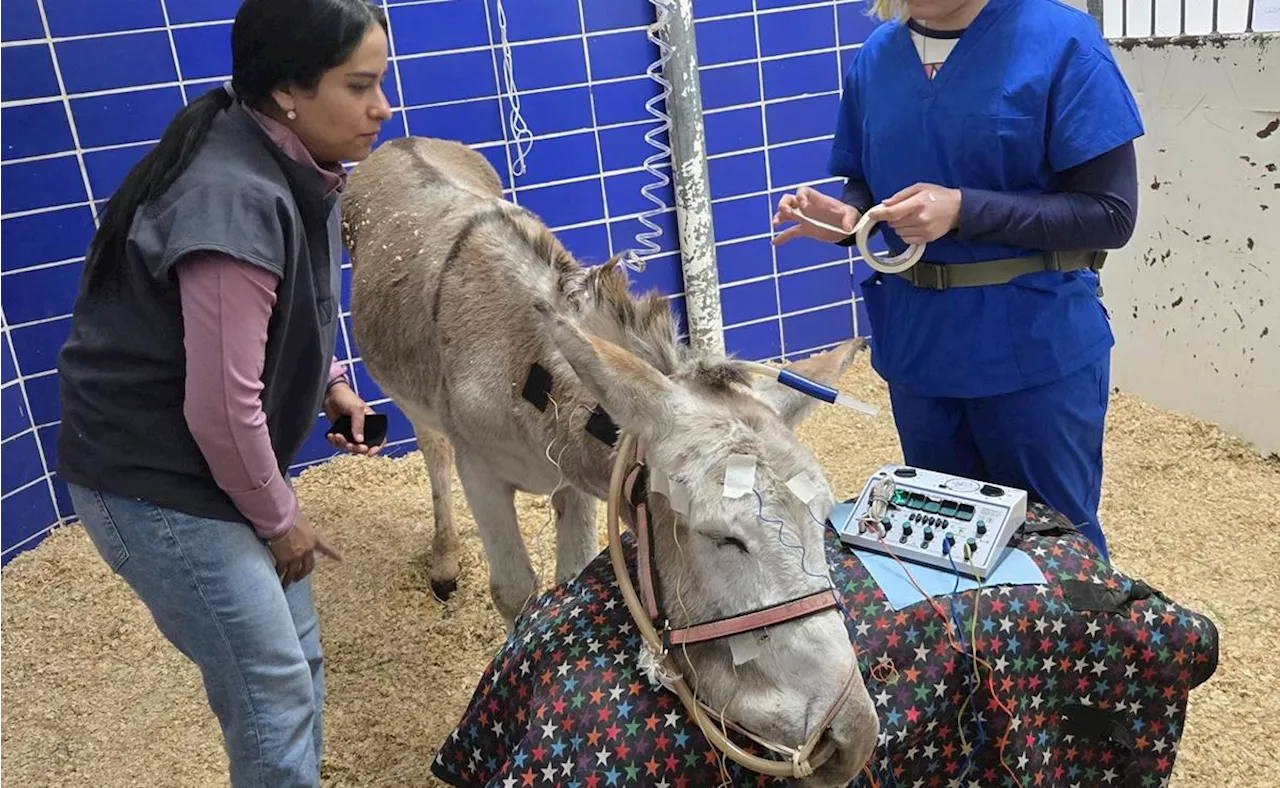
(1095, 10)
(692, 182)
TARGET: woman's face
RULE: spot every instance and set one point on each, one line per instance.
(339, 120)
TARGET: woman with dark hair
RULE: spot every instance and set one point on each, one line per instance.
(201, 349)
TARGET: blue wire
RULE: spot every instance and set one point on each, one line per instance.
(804, 554)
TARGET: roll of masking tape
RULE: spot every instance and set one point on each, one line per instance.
(889, 265)
(861, 232)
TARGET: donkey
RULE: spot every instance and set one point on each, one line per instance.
(497, 345)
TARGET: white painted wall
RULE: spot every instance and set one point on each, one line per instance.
(1195, 296)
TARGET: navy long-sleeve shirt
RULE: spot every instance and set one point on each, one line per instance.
(1091, 206)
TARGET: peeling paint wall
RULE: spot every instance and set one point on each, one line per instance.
(1195, 296)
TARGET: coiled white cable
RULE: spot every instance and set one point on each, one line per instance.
(647, 238)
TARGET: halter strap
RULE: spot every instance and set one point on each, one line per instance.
(647, 574)
(756, 619)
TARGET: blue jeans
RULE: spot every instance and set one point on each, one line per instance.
(212, 588)
(1046, 440)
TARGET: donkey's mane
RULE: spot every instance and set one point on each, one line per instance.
(645, 325)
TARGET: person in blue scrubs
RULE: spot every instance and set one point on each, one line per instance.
(999, 133)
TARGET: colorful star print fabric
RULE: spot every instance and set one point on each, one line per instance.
(1096, 668)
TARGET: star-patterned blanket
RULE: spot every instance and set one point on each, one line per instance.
(1096, 667)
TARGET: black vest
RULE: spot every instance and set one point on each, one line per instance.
(121, 372)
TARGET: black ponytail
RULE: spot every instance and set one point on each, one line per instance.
(273, 43)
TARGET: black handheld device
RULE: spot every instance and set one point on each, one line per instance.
(375, 429)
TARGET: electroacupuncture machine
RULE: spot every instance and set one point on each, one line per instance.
(939, 520)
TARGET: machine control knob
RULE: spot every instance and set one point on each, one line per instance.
(928, 532)
(982, 528)
(906, 529)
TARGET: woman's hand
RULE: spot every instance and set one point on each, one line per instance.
(815, 205)
(295, 551)
(920, 214)
(341, 401)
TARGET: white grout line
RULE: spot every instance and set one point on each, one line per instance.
(22, 388)
(768, 172)
(851, 256)
(595, 129)
(395, 68)
(35, 537)
(42, 266)
(173, 49)
(36, 482)
(66, 105)
(39, 321)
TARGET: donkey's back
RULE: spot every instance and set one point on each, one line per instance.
(442, 279)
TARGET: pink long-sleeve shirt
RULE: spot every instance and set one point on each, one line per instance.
(226, 305)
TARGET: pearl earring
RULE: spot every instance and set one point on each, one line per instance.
(291, 115)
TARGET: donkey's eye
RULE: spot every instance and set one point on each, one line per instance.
(730, 541)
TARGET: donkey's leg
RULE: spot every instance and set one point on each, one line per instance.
(493, 504)
(576, 543)
(443, 568)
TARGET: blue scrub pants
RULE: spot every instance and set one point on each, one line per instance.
(1046, 440)
(212, 588)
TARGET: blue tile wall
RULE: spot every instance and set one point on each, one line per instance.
(83, 100)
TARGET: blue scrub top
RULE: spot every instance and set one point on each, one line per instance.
(1029, 90)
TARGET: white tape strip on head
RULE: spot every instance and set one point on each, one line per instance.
(745, 647)
(739, 475)
(659, 483)
(679, 497)
(802, 488)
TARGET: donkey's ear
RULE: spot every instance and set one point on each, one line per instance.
(636, 395)
(826, 368)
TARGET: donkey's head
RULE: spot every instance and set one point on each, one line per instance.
(730, 555)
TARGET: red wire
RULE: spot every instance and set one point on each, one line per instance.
(991, 684)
